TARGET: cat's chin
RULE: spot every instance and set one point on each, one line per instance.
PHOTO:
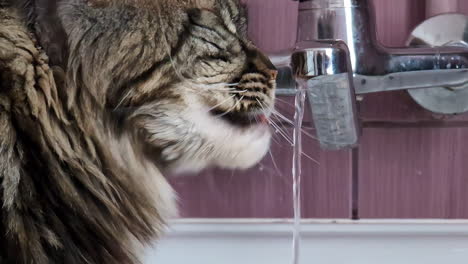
(242, 120)
(230, 145)
(228, 156)
(250, 155)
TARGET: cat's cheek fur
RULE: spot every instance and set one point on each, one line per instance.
(249, 156)
(146, 174)
(228, 146)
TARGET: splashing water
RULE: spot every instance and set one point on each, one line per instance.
(296, 168)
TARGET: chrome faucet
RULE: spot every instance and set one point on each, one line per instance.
(337, 56)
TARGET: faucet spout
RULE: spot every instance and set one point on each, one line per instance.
(323, 69)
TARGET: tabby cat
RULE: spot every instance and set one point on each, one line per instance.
(98, 99)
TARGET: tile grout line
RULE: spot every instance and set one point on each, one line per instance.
(355, 184)
(416, 124)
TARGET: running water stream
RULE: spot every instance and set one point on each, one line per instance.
(296, 167)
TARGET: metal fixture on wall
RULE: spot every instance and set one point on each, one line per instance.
(338, 55)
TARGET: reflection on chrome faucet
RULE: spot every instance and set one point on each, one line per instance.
(339, 36)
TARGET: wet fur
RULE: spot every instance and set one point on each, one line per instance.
(86, 135)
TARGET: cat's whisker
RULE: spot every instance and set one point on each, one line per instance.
(274, 134)
(219, 88)
(238, 92)
(283, 133)
(281, 130)
(262, 106)
(124, 98)
(277, 113)
(231, 84)
(211, 88)
(278, 139)
(282, 127)
(280, 124)
(308, 134)
(221, 85)
(303, 153)
(284, 101)
(232, 108)
(278, 130)
(303, 130)
(221, 103)
(232, 91)
(274, 139)
(310, 158)
(274, 163)
(282, 117)
(277, 119)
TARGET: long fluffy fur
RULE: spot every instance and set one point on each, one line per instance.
(86, 134)
(67, 197)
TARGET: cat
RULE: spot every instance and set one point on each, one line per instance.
(99, 99)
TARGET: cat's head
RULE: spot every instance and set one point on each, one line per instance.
(179, 75)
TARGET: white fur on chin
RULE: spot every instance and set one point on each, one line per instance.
(231, 146)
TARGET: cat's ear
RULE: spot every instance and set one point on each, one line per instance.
(42, 18)
(205, 4)
(243, 19)
(234, 12)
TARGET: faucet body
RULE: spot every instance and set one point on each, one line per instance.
(377, 68)
(337, 50)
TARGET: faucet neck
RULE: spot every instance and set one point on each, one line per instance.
(312, 4)
(352, 21)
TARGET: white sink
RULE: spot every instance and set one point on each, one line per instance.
(323, 242)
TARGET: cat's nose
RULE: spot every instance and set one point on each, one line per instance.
(272, 73)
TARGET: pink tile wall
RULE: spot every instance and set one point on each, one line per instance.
(411, 161)
(413, 173)
(409, 165)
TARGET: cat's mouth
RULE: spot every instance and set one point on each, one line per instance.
(242, 119)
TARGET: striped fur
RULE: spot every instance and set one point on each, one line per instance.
(133, 88)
